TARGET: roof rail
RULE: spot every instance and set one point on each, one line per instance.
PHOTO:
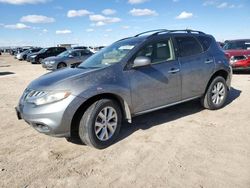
(156, 31)
(159, 31)
(187, 31)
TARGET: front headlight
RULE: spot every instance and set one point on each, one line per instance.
(47, 97)
(51, 62)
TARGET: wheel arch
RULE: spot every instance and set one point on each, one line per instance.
(62, 62)
(126, 114)
(221, 73)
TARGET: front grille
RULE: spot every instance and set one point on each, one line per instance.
(29, 93)
(240, 57)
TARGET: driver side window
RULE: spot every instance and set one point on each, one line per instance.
(158, 52)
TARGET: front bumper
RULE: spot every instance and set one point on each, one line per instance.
(48, 66)
(51, 119)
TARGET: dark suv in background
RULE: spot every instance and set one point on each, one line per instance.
(44, 53)
(133, 76)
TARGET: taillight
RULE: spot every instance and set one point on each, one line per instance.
(227, 56)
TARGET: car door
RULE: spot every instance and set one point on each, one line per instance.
(158, 84)
(197, 66)
(75, 57)
(50, 52)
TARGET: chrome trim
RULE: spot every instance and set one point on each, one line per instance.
(165, 106)
(209, 61)
(174, 71)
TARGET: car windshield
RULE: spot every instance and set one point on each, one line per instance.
(110, 55)
(43, 50)
(237, 45)
(64, 54)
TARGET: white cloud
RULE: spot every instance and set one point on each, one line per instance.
(209, 2)
(21, 2)
(100, 20)
(37, 19)
(78, 13)
(89, 30)
(99, 23)
(17, 26)
(108, 30)
(136, 1)
(66, 31)
(45, 30)
(143, 12)
(223, 5)
(109, 11)
(184, 15)
(228, 5)
(126, 27)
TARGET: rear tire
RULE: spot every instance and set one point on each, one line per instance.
(216, 94)
(100, 124)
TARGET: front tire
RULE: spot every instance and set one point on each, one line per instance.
(216, 94)
(100, 124)
(61, 66)
(40, 61)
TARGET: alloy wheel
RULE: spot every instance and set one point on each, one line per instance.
(218, 93)
(106, 123)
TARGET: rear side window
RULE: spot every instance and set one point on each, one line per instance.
(85, 52)
(188, 46)
(205, 42)
(60, 49)
(75, 54)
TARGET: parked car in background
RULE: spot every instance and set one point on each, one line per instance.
(133, 76)
(23, 55)
(238, 53)
(221, 44)
(95, 49)
(44, 53)
(81, 47)
(66, 59)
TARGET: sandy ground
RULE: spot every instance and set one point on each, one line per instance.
(182, 146)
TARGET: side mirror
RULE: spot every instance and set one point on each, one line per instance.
(141, 61)
(71, 56)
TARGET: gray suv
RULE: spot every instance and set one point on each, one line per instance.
(66, 59)
(133, 76)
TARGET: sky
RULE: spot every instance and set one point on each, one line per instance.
(101, 22)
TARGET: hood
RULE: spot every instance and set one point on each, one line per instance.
(53, 58)
(59, 80)
(237, 52)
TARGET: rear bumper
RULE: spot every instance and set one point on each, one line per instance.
(229, 78)
(241, 68)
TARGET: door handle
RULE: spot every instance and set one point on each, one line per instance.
(173, 71)
(208, 61)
